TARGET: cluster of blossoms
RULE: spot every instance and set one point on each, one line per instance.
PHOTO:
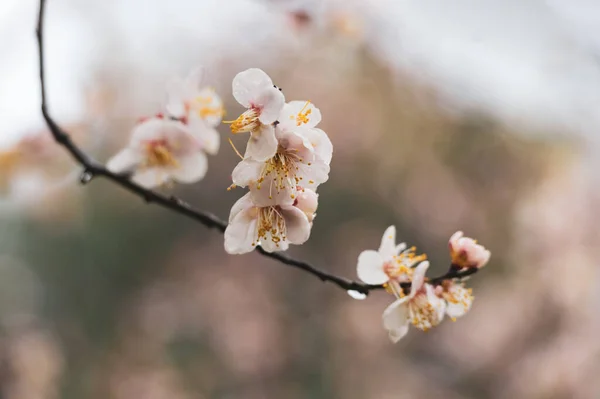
(426, 303)
(287, 157)
(172, 145)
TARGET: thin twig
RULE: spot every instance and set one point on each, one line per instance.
(92, 169)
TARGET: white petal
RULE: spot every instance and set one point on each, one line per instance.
(150, 129)
(191, 168)
(243, 203)
(314, 174)
(262, 144)
(395, 319)
(270, 102)
(370, 268)
(151, 177)
(387, 249)
(207, 137)
(320, 142)
(455, 310)
(247, 85)
(418, 278)
(240, 234)
(296, 224)
(270, 246)
(397, 334)
(124, 161)
(246, 172)
(438, 304)
(400, 248)
(261, 197)
(292, 112)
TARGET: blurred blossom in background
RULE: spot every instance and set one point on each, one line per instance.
(479, 115)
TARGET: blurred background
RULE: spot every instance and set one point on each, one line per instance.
(472, 115)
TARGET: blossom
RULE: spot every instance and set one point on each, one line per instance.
(294, 163)
(189, 96)
(421, 307)
(465, 252)
(256, 219)
(390, 263)
(254, 89)
(458, 298)
(302, 117)
(200, 108)
(161, 150)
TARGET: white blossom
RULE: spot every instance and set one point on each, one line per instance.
(458, 298)
(391, 263)
(465, 252)
(421, 307)
(294, 163)
(197, 106)
(161, 150)
(254, 90)
(190, 96)
(256, 219)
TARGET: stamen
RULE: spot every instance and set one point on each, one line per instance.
(235, 149)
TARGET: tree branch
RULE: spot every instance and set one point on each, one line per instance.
(92, 169)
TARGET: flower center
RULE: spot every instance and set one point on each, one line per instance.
(271, 224)
(202, 105)
(302, 116)
(422, 313)
(458, 295)
(159, 154)
(247, 122)
(282, 170)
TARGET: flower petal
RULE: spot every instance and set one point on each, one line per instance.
(240, 233)
(418, 278)
(370, 268)
(395, 319)
(270, 102)
(191, 168)
(249, 84)
(208, 137)
(296, 224)
(262, 144)
(241, 204)
(271, 246)
(320, 142)
(151, 177)
(124, 161)
(387, 249)
(246, 172)
(300, 114)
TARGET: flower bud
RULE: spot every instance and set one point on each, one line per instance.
(465, 252)
(307, 201)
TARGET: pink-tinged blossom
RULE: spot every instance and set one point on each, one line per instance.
(254, 90)
(294, 163)
(161, 150)
(256, 219)
(465, 252)
(458, 298)
(197, 106)
(391, 263)
(421, 307)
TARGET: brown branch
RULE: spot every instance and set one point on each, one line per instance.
(92, 168)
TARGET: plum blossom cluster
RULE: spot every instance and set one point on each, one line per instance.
(419, 301)
(172, 145)
(286, 158)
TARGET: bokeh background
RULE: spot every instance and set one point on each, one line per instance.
(473, 115)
